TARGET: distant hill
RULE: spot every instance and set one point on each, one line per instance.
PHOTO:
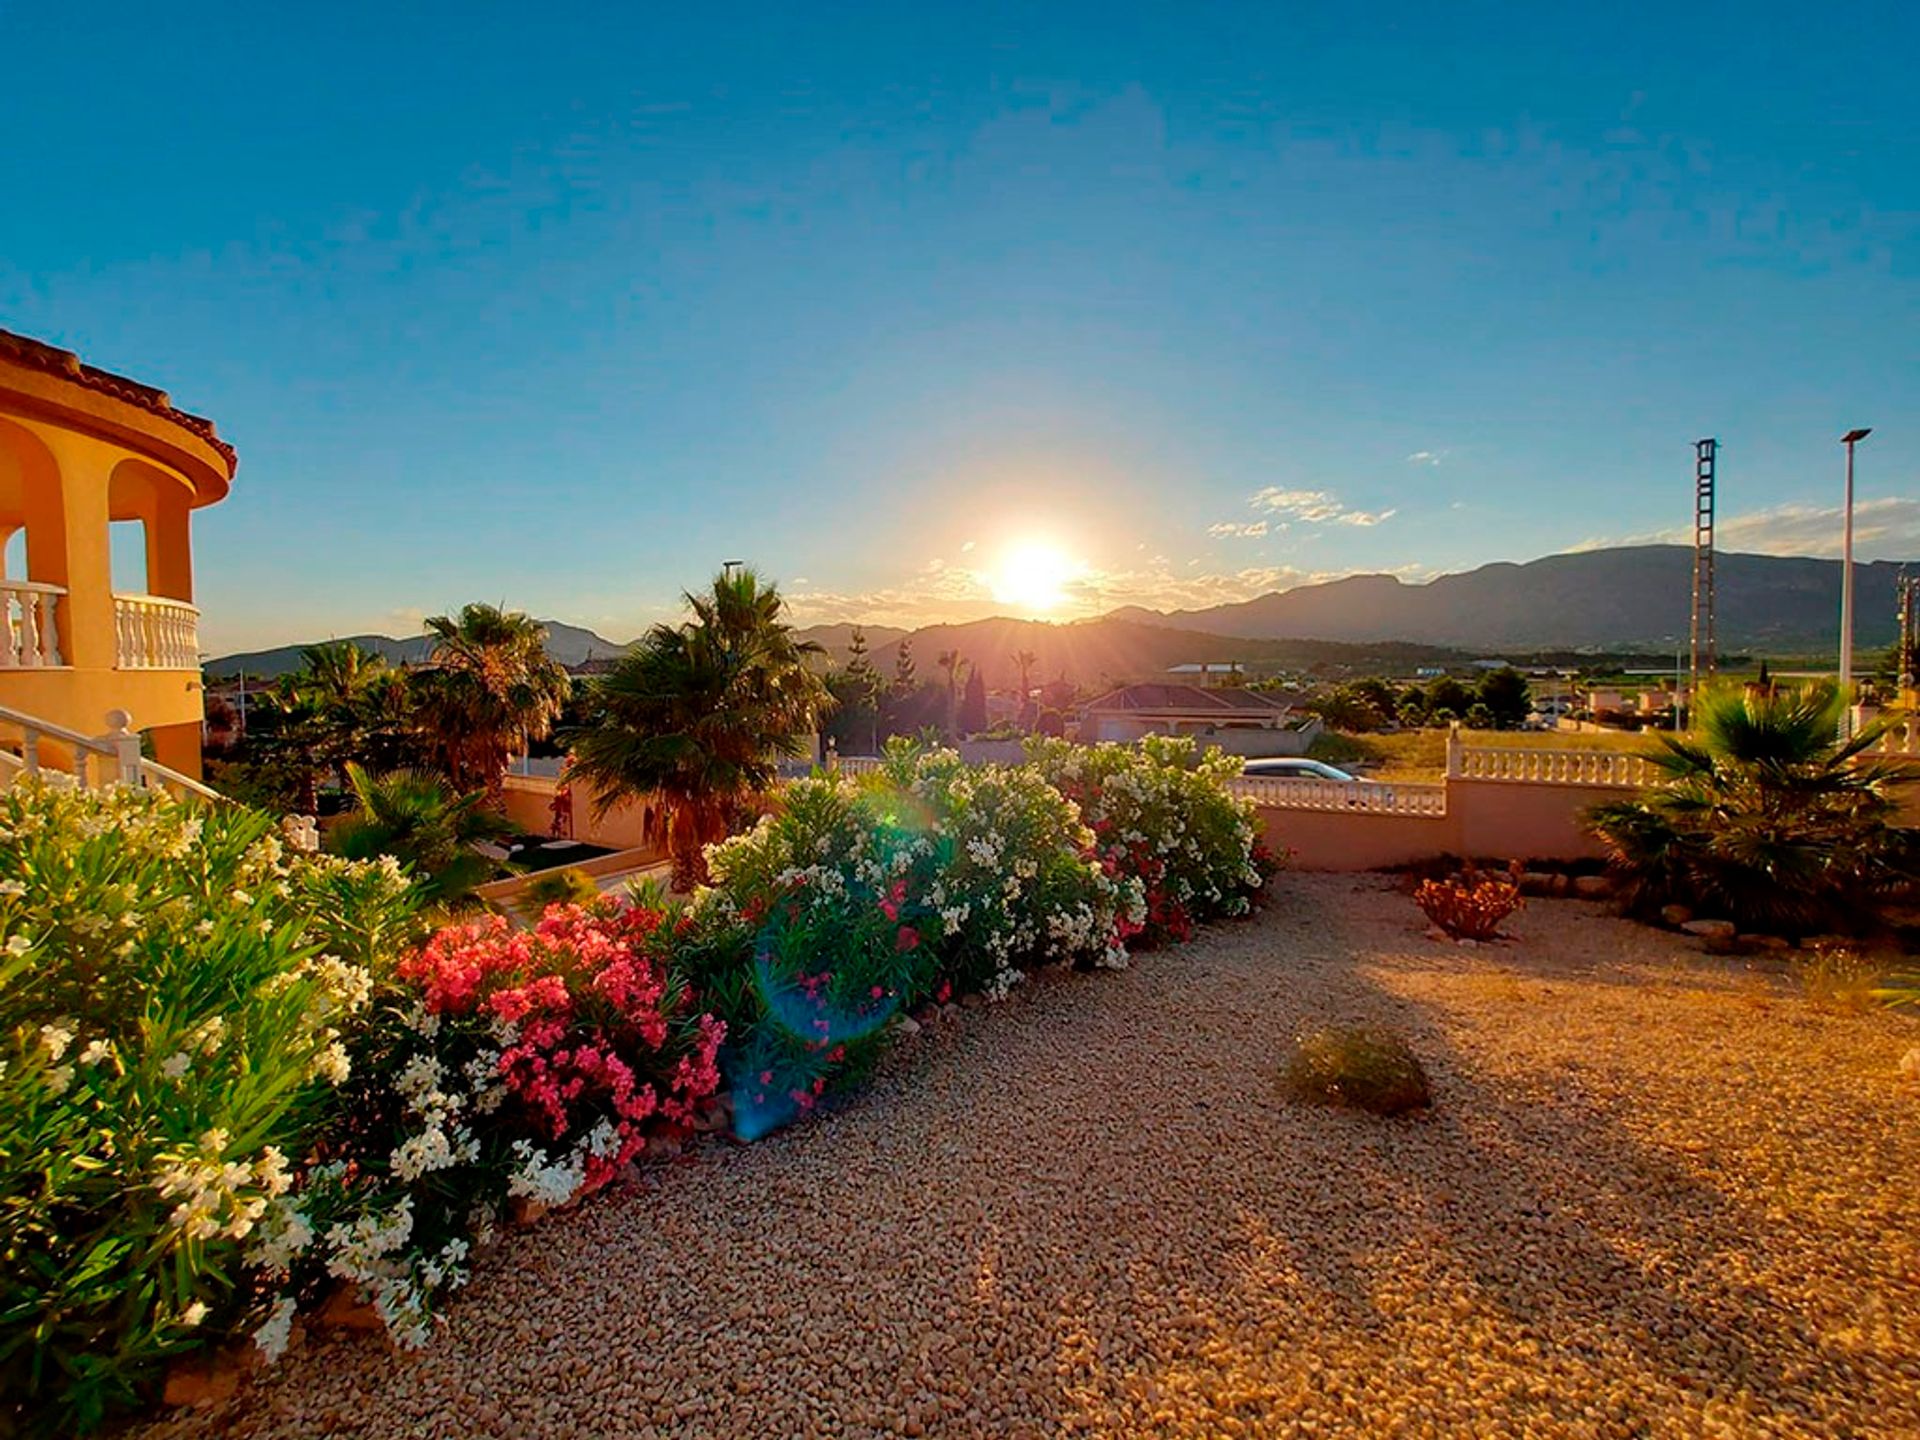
(1111, 651)
(569, 644)
(1631, 596)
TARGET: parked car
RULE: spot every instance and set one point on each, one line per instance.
(1295, 768)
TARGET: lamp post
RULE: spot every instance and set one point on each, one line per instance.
(1850, 439)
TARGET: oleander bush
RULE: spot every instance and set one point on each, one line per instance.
(177, 993)
(1161, 813)
(496, 1064)
(861, 898)
(568, 885)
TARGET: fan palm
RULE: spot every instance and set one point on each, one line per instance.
(413, 816)
(1768, 816)
(955, 664)
(700, 713)
(490, 689)
(339, 703)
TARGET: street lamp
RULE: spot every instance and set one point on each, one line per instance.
(1850, 439)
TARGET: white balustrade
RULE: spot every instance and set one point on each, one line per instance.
(29, 625)
(1902, 737)
(1552, 767)
(1348, 796)
(110, 759)
(152, 632)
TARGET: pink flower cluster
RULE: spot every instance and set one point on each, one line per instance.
(588, 993)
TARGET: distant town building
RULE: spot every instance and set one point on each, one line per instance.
(1243, 722)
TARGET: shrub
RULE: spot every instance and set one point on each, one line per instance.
(567, 886)
(1471, 905)
(1161, 814)
(1767, 818)
(174, 988)
(855, 900)
(1369, 1069)
(501, 1064)
(1838, 977)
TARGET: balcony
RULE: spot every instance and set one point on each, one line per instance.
(152, 632)
(29, 625)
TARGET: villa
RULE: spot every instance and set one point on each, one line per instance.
(1245, 722)
(85, 455)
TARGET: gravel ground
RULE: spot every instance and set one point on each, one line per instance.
(1660, 1194)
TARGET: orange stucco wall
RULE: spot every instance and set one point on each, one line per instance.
(1485, 819)
(72, 461)
(625, 827)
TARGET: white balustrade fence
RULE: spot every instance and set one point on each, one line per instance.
(1902, 738)
(29, 625)
(1351, 796)
(1551, 767)
(152, 632)
(110, 759)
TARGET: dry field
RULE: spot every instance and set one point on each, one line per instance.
(1660, 1195)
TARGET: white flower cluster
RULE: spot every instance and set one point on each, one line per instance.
(442, 1141)
(215, 1196)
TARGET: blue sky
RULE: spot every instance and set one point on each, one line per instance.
(563, 306)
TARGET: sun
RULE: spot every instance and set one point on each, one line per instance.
(1033, 576)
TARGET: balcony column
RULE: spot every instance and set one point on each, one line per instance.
(169, 547)
(87, 640)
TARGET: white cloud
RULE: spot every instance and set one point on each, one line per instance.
(1251, 530)
(1883, 529)
(1426, 457)
(1315, 507)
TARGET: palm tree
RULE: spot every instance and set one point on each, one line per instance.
(955, 664)
(490, 689)
(414, 817)
(1024, 661)
(1768, 818)
(700, 713)
(329, 711)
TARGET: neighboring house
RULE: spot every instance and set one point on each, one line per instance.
(84, 455)
(1242, 722)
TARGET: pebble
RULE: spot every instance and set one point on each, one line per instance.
(1645, 1205)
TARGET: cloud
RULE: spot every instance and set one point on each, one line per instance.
(1426, 457)
(1883, 529)
(1251, 530)
(1315, 507)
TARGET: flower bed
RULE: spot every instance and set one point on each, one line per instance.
(238, 1080)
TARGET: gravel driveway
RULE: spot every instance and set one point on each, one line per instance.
(1660, 1195)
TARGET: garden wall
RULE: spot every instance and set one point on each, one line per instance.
(630, 825)
(1402, 825)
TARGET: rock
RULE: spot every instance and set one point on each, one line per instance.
(1675, 915)
(973, 1000)
(903, 1027)
(1592, 887)
(1910, 1064)
(1718, 935)
(205, 1378)
(663, 1147)
(1562, 884)
(1710, 929)
(1767, 942)
(524, 1209)
(346, 1309)
(1825, 942)
(1537, 882)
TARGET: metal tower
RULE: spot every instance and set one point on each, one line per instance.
(1705, 652)
(1907, 661)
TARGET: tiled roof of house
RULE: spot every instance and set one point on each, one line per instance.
(1158, 699)
(23, 350)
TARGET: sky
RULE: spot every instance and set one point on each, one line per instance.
(936, 311)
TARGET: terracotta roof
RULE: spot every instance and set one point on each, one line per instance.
(1187, 699)
(68, 366)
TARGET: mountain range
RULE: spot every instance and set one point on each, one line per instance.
(1620, 599)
